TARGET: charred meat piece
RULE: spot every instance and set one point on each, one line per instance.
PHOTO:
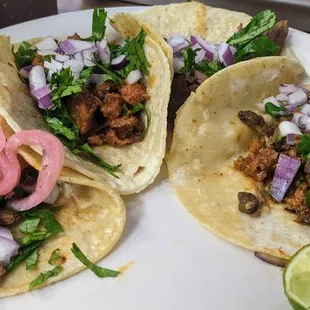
(255, 122)
(134, 93)
(126, 125)
(104, 89)
(181, 88)
(297, 203)
(82, 109)
(259, 165)
(38, 60)
(8, 217)
(248, 203)
(278, 34)
(74, 37)
(112, 106)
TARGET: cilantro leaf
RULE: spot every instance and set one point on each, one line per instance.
(138, 107)
(259, 24)
(209, 68)
(110, 75)
(97, 270)
(259, 47)
(45, 276)
(31, 260)
(24, 55)
(189, 59)
(29, 225)
(86, 150)
(98, 25)
(56, 258)
(304, 144)
(272, 109)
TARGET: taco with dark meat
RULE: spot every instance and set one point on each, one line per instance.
(239, 160)
(199, 41)
(105, 100)
(50, 214)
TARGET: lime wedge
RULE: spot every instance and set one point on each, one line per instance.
(297, 279)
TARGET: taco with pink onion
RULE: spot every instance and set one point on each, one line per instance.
(106, 100)
(54, 222)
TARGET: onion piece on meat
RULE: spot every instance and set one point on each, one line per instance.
(272, 260)
(71, 47)
(226, 54)
(297, 98)
(24, 72)
(8, 246)
(104, 52)
(286, 170)
(288, 127)
(133, 77)
(178, 64)
(290, 139)
(37, 78)
(47, 44)
(53, 160)
(119, 62)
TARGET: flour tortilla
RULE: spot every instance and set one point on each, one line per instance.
(161, 22)
(208, 137)
(141, 161)
(92, 215)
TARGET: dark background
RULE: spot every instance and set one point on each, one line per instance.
(16, 11)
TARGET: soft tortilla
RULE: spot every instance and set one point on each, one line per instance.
(93, 216)
(208, 137)
(141, 161)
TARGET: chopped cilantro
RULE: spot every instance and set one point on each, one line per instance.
(31, 260)
(273, 110)
(98, 25)
(307, 197)
(24, 55)
(45, 276)
(109, 74)
(138, 107)
(56, 258)
(304, 144)
(97, 270)
(29, 225)
(209, 68)
(189, 59)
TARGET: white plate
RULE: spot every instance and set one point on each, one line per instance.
(176, 264)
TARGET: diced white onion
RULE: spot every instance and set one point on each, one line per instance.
(104, 52)
(47, 44)
(305, 109)
(178, 64)
(287, 128)
(61, 58)
(133, 77)
(76, 67)
(273, 100)
(37, 78)
(297, 98)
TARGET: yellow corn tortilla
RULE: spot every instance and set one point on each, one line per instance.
(141, 161)
(92, 215)
(208, 137)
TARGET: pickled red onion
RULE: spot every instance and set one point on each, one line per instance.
(53, 160)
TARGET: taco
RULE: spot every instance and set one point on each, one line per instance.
(49, 216)
(236, 163)
(106, 101)
(200, 40)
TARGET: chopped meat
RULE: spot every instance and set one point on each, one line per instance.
(255, 146)
(134, 93)
(119, 132)
(2, 272)
(104, 88)
(259, 165)
(278, 34)
(8, 217)
(74, 37)
(82, 108)
(255, 122)
(297, 203)
(38, 60)
(248, 203)
(112, 106)
(307, 167)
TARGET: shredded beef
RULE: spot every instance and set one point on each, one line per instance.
(82, 108)
(278, 34)
(104, 89)
(248, 203)
(255, 122)
(74, 37)
(133, 93)
(112, 106)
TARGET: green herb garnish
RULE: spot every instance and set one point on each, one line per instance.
(31, 260)
(209, 68)
(307, 197)
(98, 25)
(304, 144)
(45, 276)
(138, 107)
(29, 225)
(56, 258)
(97, 270)
(273, 110)
(189, 59)
(24, 55)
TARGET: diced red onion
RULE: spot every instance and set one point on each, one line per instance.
(53, 160)
(41, 92)
(45, 103)
(282, 97)
(210, 49)
(78, 56)
(53, 196)
(133, 77)
(104, 52)
(53, 65)
(61, 58)
(285, 172)
(287, 128)
(200, 54)
(8, 246)
(178, 64)
(119, 62)
(290, 139)
(296, 118)
(76, 66)
(37, 78)
(71, 47)
(24, 72)
(288, 88)
(46, 53)
(177, 42)
(303, 121)
(226, 55)
(305, 109)
(297, 98)
(88, 56)
(6, 233)
(47, 44)
(273, 100)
